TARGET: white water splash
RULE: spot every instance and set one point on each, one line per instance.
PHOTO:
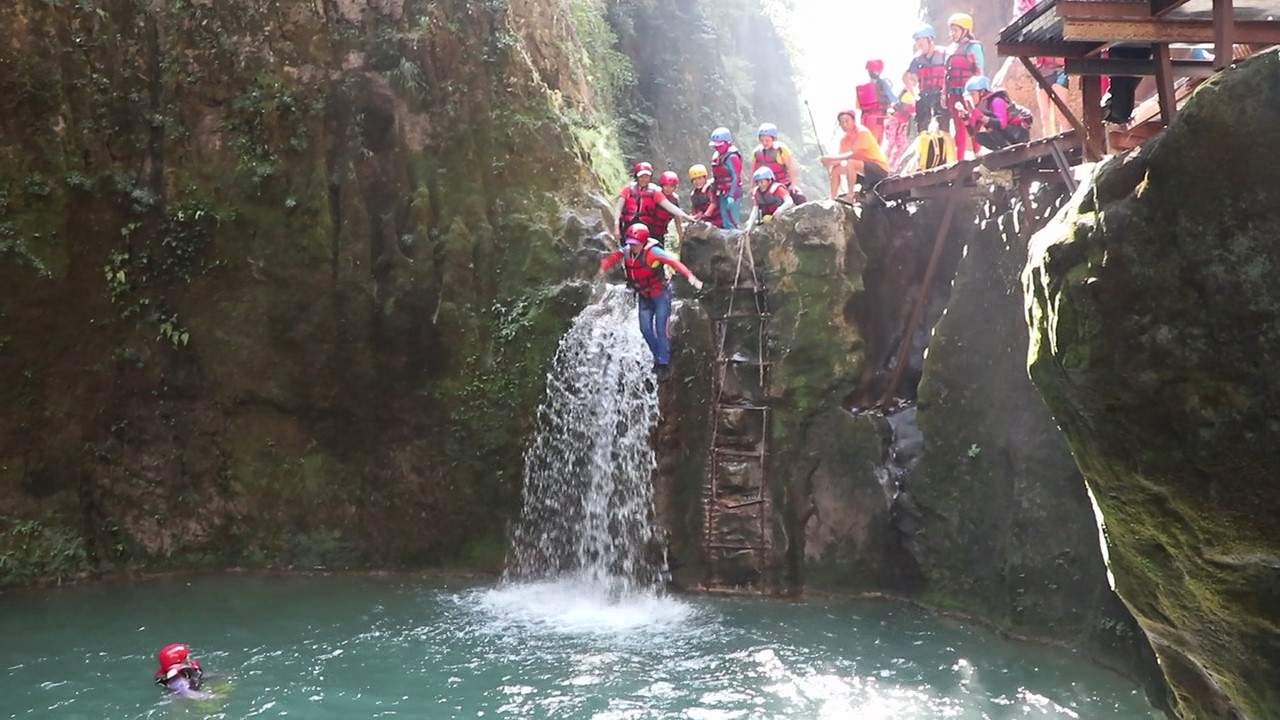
(588, 496)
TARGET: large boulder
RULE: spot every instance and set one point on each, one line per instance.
(1155, 322)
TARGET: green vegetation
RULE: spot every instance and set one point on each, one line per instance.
(34, 550)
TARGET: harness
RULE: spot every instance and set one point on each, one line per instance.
(1018, 115)
(931, 69)
(772, 159)
(639, 204)
(769, 201)
(720, 172)
(644, 274)
(961, 66)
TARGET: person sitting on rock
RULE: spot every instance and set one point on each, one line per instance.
(638, 202)
(860, 161)
(642, 261)
(179, 673)
(777, 157)
(726, 172)
(996, 121)
(668, 181)
(703, 200)
(769, 197)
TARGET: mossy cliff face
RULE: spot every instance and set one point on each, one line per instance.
(1154, 320)
(1004, 527)
(281, 279)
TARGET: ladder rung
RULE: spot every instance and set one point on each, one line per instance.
(744, 503)
(748, 363)
(756, 408)
(744, 316)
(732, 452)
(724, 546)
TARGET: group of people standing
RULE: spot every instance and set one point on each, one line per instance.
(944, 90)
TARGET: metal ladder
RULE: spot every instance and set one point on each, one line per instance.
(738, 541)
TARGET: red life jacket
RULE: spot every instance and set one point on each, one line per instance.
(639, 204)
(661, 218)
(770, 200)
(644, 273)
(720, 171)
(703, 199)
(931, 70)
(1050, 66)
(869, 99)
(961, 67)
(771, 159)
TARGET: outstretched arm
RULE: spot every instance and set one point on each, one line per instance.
(674, 209)
(610, 260)
(674, 263)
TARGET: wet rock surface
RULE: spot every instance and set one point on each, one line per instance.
(1154, 322)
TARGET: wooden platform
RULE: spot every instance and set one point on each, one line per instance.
(1034, 156)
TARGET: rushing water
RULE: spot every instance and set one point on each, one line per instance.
(588, 498)
(360, 647)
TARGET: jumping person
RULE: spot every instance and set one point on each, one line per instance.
(642, 261)
(703, 200)
(769, 198)
(859, 160)
(964, 60)
(726, 172)
(777, 157)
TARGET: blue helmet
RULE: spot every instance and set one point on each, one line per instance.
(769, 130)
(976, 83)
(763, 173)
(721, 135)
(924, 32)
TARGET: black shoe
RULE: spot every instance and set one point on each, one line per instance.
(662, 371)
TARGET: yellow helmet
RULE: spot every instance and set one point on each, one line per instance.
(961, 20)
(697, 171)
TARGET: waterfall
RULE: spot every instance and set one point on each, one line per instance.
(588, 495)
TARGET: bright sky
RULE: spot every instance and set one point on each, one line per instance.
(836, 38)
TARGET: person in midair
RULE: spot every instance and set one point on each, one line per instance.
(964, 60)
(875, 99)
(769, 198)
(704, 201)
(777, 157)
(726, 173)
(929, 67)
(642, 261)
(638, 201)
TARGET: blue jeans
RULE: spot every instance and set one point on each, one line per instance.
(654, 314)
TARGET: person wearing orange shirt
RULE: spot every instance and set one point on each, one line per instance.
(860, 159)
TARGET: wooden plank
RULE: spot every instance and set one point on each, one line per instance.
(1095, 143)
(1164, 82)
(1223, 32)
(1021, 154)
(1138, 68)
(1047, 88)
(1160, 7)
(1168, 31)
(947, 174)
(1102, 10)
(1057, 48)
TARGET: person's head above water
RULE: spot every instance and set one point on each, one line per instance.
(177, 666)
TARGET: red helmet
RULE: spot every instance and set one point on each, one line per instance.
(875, 66)
(669, 178)
(638, 234)
(175, 654)
(642, 168)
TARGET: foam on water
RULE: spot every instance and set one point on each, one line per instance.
(582, 605)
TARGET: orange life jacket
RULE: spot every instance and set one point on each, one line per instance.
(644, 273)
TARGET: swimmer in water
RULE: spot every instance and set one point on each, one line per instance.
(179, 673)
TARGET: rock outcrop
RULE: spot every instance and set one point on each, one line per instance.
(1155, 322)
